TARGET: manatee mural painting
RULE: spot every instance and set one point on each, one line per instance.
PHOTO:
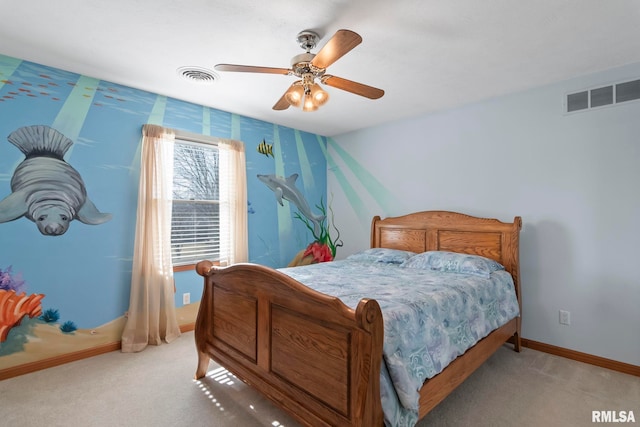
(45, 188)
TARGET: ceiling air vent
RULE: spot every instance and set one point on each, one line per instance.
(198, 75)
(602, 96)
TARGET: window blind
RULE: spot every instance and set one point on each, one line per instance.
(196, 221)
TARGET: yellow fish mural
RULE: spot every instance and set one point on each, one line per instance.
(264, 148)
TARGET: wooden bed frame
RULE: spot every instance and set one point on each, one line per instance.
(318, 359)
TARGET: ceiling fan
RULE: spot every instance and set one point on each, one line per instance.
(309, 68)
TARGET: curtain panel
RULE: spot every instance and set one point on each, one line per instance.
(234, 241)
(151, 318)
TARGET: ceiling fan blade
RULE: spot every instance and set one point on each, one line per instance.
(340, 44)
(353, 87)
(251, 69)
(282, 103)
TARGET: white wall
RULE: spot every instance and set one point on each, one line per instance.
(572, 177)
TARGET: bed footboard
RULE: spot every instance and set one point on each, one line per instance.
(313, 356)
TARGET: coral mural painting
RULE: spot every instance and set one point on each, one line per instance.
(45, 188)
(14, 302)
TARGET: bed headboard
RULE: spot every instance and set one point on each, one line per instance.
(455, 232)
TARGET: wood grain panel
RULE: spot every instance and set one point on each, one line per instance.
(312, 357)
(402, 239)
(470, 242)
(234, 321)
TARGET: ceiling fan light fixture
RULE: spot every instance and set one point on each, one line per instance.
(311, 67)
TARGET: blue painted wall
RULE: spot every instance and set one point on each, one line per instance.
(85, 273)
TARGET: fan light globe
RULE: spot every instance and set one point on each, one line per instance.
(294, 95)
(320, 97)
(309, 104)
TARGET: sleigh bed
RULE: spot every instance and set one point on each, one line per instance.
(319, 359)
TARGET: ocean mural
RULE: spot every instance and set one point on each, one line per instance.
(93, 134)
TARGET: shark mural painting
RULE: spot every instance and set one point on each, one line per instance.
(323, 248)
(45, 188)
(286, 189)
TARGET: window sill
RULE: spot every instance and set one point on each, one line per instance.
(189, 267)
(184, 267)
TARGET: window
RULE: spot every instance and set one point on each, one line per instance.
(195, 218)
(209, 202)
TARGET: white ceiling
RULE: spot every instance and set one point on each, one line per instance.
(427, 55)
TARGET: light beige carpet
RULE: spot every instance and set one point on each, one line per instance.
(155, 388)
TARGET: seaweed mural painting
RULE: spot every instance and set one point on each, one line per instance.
(324, 247)
(45, 188)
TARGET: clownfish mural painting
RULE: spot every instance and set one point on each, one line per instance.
(45, 188)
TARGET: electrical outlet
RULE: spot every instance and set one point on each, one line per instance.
(186, 298)
(565, 317)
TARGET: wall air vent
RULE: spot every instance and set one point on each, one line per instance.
(602, 96)
(628, 91)
(577, 101)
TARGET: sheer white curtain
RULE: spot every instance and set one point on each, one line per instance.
(152, 316)
(233, 203)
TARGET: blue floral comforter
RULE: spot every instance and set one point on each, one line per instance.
(430, 318)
